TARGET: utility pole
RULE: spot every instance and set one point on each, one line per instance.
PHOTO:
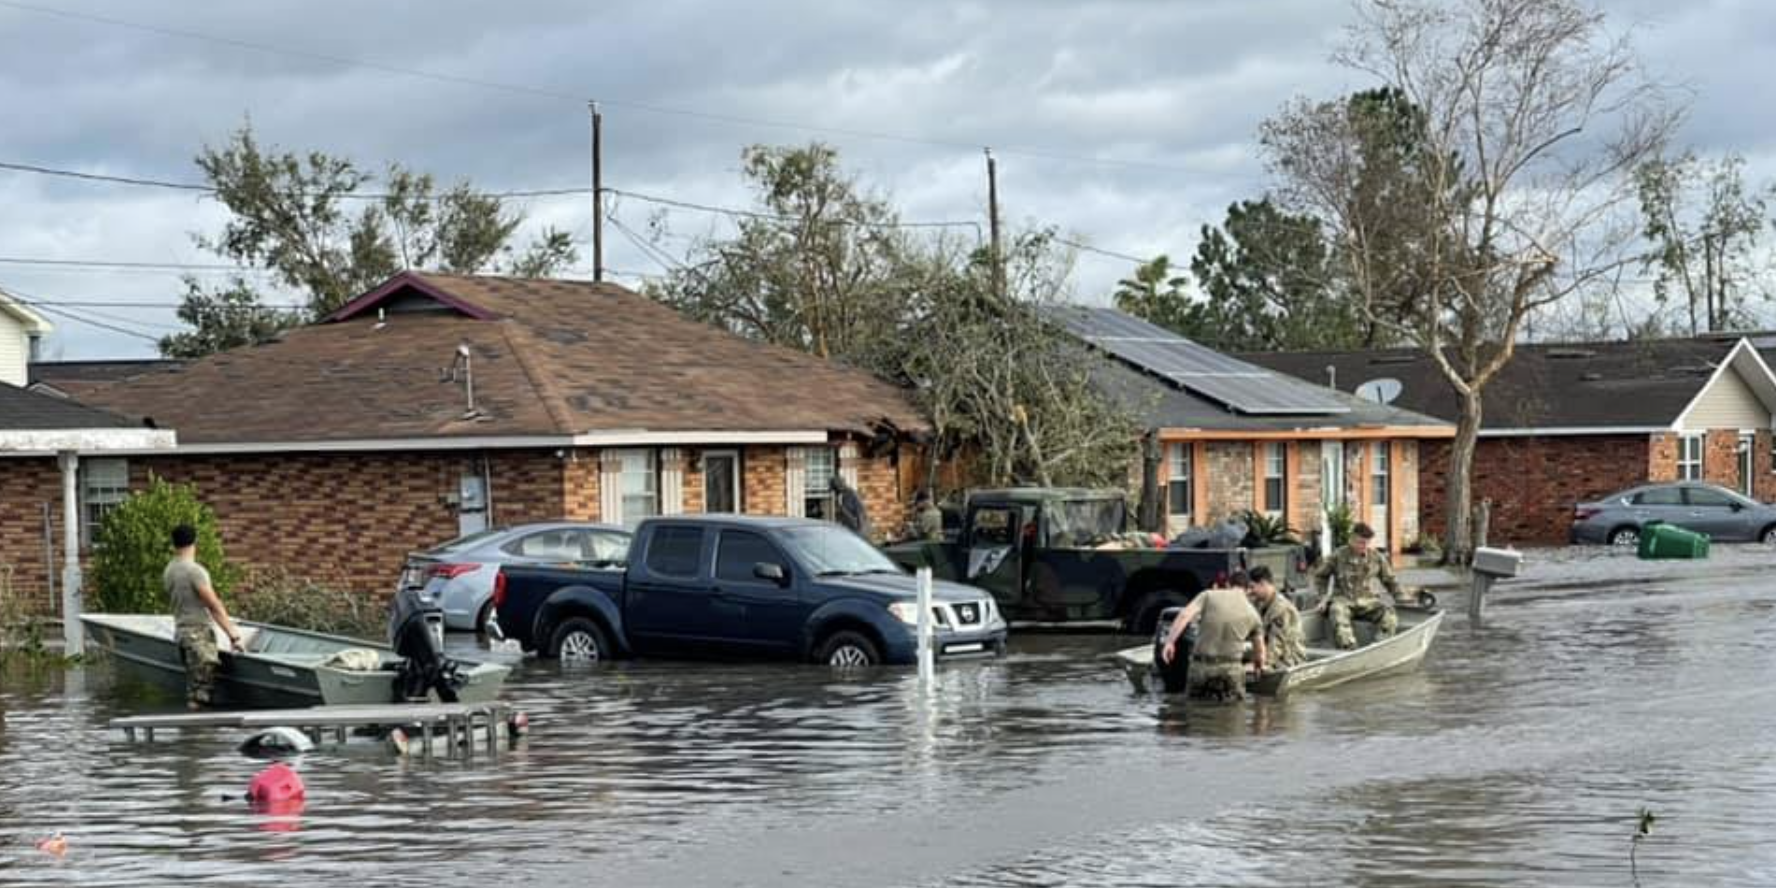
(597, 193)
(995, 256)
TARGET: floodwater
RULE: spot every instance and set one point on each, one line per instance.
(1520, 754)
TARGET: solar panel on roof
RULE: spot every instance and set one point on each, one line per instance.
(1244, 387)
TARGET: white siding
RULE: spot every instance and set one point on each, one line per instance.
(1727, 404)
(15, 350)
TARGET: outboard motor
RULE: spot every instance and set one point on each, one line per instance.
(416, 631)
(1172, 675)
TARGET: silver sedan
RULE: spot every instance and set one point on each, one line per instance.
(462, 571)
(1720, 513)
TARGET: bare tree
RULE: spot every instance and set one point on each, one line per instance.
(1704, 225)
(1491, 178)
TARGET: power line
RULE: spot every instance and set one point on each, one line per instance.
(539, 92)
(122, 265)
(50, 308)
(773, 217)
(1100, 251)
(211, 190)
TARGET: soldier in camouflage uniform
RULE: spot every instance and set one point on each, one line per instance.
(1355, 568)
(195, 604)
(1282, 622)
(927, 523)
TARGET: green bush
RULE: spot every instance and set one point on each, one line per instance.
(279, 597)
(133, 544)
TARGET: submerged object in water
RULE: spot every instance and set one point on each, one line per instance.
(276, 785)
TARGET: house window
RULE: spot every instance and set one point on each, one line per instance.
(820, 465)
(1689, 458)
(104, 483)
(640, 484)
(1178, 480)
(1276, 469)
(1378, 474)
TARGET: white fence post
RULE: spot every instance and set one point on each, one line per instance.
(926, 655)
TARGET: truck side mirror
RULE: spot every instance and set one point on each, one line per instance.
(775, 573)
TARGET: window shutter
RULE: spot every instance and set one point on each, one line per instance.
(848, 464)
(671, 481)
(795, 482)
(610, 487)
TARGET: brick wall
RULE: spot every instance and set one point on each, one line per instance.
(579, 486)
(878, 482)
(763, 480)
(693, 482)
(1305, 487)
(1763, 470)
(350, 520)
(1720, 457)
(1662, 457)
(26, 484)
(1229, 475)
(1535, 482)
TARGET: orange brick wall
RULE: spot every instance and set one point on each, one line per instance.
(762, 485)
(878, 482)
(579, 483)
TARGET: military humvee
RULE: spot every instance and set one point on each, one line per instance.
(1067, 555)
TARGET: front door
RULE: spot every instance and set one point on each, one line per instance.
(1331, 474)
(471, 512)
(1380, 491)
(721, 481)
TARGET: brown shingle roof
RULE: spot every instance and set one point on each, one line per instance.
(550, 358)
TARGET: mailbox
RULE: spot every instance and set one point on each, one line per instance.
(1497, 562)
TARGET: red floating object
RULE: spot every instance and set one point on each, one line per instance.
(275, 785)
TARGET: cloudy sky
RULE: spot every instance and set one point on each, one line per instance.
(1128, 124)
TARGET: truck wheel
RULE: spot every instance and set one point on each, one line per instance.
(847, 649)
(579, 640)
(1144, 616)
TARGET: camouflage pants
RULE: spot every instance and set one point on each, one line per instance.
(197, 649)
(1222, 682)
(1371, 609)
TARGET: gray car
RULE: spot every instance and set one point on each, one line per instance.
(1724, 515)
(461, 572)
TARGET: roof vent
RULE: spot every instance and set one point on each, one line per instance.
(1393, 359)
(1570, 354)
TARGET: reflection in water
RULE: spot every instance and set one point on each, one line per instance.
(1518, 755)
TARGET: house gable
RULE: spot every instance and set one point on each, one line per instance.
(1740, 395)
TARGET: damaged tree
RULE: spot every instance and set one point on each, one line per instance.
(1491, 177)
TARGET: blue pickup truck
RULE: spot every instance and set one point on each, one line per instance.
(740, 586)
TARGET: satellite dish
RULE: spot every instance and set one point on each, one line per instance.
(1381, 391)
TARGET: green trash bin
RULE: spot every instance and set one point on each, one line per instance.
(1668, 541)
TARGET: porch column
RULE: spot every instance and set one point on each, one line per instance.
(73, 636)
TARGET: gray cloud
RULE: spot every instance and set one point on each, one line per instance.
(1180, 86)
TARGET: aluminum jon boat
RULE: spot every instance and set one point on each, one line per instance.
(1326, 665)
(280, 667)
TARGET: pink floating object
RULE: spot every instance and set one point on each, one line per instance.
(277, 784)
(54, 845)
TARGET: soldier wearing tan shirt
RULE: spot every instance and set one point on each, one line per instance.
(1228, 622)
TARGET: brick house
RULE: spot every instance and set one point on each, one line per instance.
(437, 405)
(1567, 423)
(46, 446)
(1235, 437)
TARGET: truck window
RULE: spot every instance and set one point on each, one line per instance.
(738, 551)
(994, 527)
(675, 551)
(1080, 523)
